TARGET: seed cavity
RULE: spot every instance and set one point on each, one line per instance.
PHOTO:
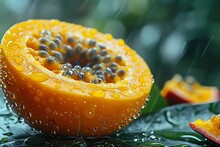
(78, 58)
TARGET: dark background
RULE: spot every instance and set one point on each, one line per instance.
(173, 36)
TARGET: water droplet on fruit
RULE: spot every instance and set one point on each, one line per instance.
(97, 93)
(36, 99)
(29, 114)
(90, 111)
(29, 85)
(48, 110)
(57, 86)
(38, 76)
(19, 68)
(17, 59)
(55, 113)
(20, 119)
(21, 107)
(115, 95)
(12, 96)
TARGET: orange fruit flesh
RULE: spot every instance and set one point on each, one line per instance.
(184, 92)
(211, 125)
(56, 104)
(209, 128)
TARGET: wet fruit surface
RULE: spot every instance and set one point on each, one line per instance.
(66, 79)
(208, 128)
(188, 90)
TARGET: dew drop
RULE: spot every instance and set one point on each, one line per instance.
(38, 76)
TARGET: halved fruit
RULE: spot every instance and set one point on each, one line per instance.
(67, 79)
(209, 128)
(179, 90)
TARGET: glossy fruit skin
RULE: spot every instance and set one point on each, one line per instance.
(57, 105)
(208, 128)
(177, 91)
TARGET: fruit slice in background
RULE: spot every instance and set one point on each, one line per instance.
(179, 90)
(67, 79)
(209, 128)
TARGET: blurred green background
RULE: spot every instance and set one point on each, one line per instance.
(173, 36)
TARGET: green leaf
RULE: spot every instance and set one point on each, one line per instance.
(156, 101)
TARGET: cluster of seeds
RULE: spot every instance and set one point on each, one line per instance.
(80, 59)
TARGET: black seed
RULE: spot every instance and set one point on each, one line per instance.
(83, 54)
(77, 67)
(118, 58)
(57, 41)
(69, 50)
(91, 52)
(50, 60)
(78, 49)
(101, 46)
(68, 73)
(43, 47)
(112, 76)
(91, 42)
(100, 76)
(96, 80)
(81, 76)
(57, 55)
(120, 72)
(46, 33)
(112, 64)
(67, 66)
(52, 45)
(86, 69)
(59, 37)
(43, 40)
(107, 71)
(96, 59)
(75, 72)
(98, 72)
(103, 52)
(43, 53)
(99, 80)
(70, 40)
(98, 67)
(106, 59)
(113, 69)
